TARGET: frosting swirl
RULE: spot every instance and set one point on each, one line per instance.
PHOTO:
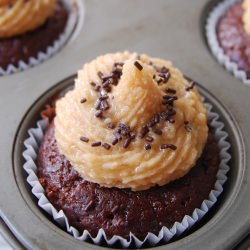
(20, 16)
(246, 15)
(159, 123)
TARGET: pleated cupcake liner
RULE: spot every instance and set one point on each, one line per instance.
(73, 7)
(32, 144)
(212, 39)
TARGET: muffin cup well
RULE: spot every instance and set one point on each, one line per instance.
(73, 8)
(33, 142)
(217, 51)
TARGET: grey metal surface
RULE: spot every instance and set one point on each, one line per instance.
(8, 240)
(170, 29)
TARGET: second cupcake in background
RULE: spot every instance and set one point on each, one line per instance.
(28, 28)
(129, 151)
(228, 33)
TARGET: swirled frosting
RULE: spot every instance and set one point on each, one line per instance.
(148, 127)
(20, 16)
(246, 16)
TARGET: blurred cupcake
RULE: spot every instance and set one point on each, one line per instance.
(228, 33)
(128, 155)
(30, 32)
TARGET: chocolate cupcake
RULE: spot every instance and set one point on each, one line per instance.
(31, 31)
(228, 36)
(129, 155)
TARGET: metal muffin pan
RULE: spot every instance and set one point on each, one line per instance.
(170, 29)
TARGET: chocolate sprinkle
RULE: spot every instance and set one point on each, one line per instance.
(96, 144)
(171, 91)
(107, 77)
(169, 100)
(98, 114)
(144, 131)
(164, 70)
(167, 77)
(190, 86)
(164, 116)
(164, 77)
(100, 74)
(160, 80)
(171, 146)
(84, 139)
(171, 120)
(157, 131)
(167, 97)
(83, 100)
(164, 102)
(106, 84)
(117, 135)
(132, 135)
(97, 88)
(151, 124)
(118, 64)
(163, 146)
(111, 126)
(104, 97)
(156, 118)
(104, 105)
(97, 105)
(171, 112)
(149, 139)
(115, 141)
(187, 126)
(166, 146)
(126, 142)
(147, 146)
(106, 146)
(138, 65)
(124, 127)
(124, 132)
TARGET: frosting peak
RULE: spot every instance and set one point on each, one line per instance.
(20, 16)
(246, 16)
(131, 122)
(137, 95)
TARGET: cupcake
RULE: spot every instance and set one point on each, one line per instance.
(28, 28)
(228, 35)
(129, 152)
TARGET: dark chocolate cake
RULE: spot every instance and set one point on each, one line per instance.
(233, 38)
(121, 211)
(28, 45)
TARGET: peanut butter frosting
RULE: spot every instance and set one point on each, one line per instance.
(246, 16)
(131, 122)
(20, 16)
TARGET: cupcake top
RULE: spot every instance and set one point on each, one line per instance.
(131, 122)
(20, 16)
(246, 16)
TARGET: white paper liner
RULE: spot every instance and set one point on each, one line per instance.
(32, 144)
(213, 42)
(72, 6)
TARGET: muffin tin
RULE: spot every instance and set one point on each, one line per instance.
(169, 29)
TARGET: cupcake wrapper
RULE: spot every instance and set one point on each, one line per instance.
(213, 42)
(74, 11)
(165, 234)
